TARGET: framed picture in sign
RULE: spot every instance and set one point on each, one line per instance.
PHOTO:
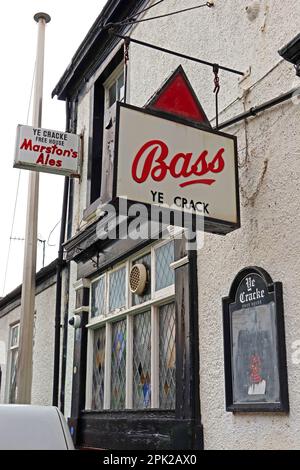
(254, 344)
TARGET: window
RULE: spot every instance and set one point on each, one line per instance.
(108, 89)
(118, 365)
(115, 88)
(131, 338)
(117, 289)
(98, 369)
(98, 297)
(164, 257)
(142, 360)
(13, 359)
(167, 356)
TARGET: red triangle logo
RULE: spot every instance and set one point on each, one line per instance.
(177, 97)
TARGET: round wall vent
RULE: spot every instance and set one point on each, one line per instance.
(138, 279)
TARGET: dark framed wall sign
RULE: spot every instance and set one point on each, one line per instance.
(254, 344)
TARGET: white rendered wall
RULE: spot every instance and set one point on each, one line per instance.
(269, 178)
(43, 351)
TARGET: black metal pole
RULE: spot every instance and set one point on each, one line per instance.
(66, 290)
(58, 296)
(258, 109)
(65, 341)
(177, 54)
(57, 326)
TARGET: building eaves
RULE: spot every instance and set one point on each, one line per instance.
(95, 40)
(41, 277)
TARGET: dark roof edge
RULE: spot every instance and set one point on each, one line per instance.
(41, 276)
(112, 12)
(105, 15)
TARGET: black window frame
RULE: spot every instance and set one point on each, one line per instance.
(149, 429)
(95, 144)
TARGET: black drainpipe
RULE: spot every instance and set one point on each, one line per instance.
(258, 109)
(60, 263)
(65, 339)
(71, 128)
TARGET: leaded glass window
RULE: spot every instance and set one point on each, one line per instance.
(142, 361)
(14, 340)
(140, 299)
(14, 350)
(117, 289)
(98, 369)
(134, 354)
(98, 293)
(13, 376)
(167, 359)
(118, 365)
(164, 274)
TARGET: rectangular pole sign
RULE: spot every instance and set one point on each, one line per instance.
(177, 166)
(47, 151)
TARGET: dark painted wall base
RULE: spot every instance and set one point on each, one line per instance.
(135, 430)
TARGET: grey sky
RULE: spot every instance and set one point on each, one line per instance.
(70, 22)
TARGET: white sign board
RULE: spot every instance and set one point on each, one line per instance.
(177, 166)
(47, 151)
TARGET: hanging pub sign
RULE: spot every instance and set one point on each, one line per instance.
(254, 344)
(47, 151)
(168, 156)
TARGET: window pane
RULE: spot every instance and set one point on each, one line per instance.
(167, 359)
(13, 376)
(121, 87)
(117, 289)
(142, 361)
(118, 366)
(14, 339)
(139, 299)
(164, 275)
(98, 298)
(112, 94)
(98, 370)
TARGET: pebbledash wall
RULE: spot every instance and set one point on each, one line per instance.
(245, 35)
(43, 351)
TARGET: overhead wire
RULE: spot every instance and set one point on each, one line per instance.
(142, 11)
(17, 195)
(49, 236)
(143, 20)
(11, 234)
(127, 22)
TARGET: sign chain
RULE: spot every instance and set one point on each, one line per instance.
(126, 60)
(217, 88)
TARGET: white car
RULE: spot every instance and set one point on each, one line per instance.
(30, 427)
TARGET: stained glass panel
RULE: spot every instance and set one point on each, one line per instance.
(164, 274)
(167, 359)
(98, 370)
(142, 361)
(139, 299)
(118, 366)
(117, 289)
(98, 298)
